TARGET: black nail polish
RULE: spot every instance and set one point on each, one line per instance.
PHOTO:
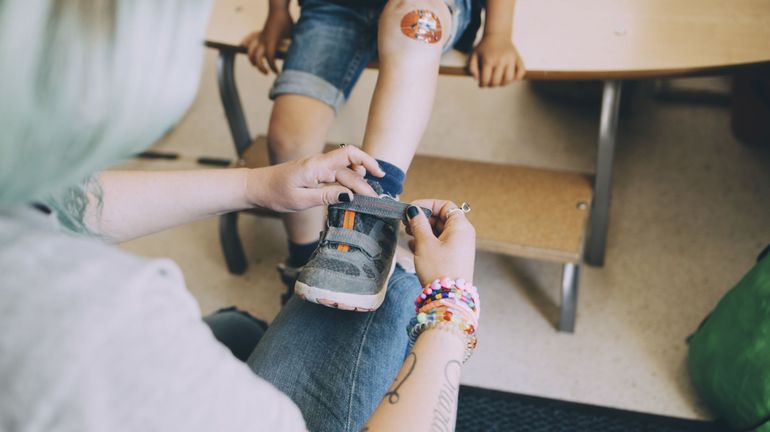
(344, 197)
(412, 211)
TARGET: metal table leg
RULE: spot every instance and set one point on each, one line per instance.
(599, 219)
(570, 279)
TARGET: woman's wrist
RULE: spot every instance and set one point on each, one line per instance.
(451, 305)
(450, 338)
(254, 190)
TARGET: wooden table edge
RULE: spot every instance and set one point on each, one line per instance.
(586, 75)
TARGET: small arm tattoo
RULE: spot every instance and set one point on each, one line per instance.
(444, 411)
(392, 395)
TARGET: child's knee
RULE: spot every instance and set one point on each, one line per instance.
(421, 23)
(298, 126)
(285, 144)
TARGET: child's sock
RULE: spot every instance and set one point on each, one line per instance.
(299, 254)
(393, 181)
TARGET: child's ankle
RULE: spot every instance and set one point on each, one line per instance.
(299, 253)
(393, 182)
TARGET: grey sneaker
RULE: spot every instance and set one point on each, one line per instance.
(352, 265)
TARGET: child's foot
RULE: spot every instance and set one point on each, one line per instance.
(351, 267)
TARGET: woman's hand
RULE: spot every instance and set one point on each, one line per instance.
(495, 62)
(263, 45)
(444, 245)
(325, 179)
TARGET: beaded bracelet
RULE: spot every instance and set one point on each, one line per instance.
(446, 288)
(463, 311)
(470, 339)
(447, 303)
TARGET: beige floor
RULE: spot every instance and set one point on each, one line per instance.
(690, 213)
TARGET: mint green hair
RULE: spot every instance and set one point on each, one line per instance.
(85, 84)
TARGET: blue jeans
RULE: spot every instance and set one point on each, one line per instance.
(335, 365)
(334, 41)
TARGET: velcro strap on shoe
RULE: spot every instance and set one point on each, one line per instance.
(381, 207)
(355, 239)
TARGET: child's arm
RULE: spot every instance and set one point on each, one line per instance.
(263, 45)
(495, 61)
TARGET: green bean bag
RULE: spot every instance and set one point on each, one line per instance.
(729, 355)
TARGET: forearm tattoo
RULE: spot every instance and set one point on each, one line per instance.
(422, 25)
(444, 411)
(392, 395)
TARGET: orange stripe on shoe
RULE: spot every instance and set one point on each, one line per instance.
(348, 221)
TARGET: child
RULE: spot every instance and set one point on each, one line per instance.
(332, 43)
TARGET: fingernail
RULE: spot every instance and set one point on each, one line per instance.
(412, 211)
(344, 197)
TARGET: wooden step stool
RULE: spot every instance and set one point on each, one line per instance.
(518, 211)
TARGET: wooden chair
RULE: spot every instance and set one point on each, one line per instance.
(527, 212)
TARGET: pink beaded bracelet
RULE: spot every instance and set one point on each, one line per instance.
(450, 304)
(446, 288)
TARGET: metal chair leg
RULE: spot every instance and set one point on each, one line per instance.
(231, 243)
(599, 219)
(228, 223)
(570, 280)
(231, 102)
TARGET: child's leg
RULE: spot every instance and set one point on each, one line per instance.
(331, 45)
(403, 97)
(298, 129)
(346, 271)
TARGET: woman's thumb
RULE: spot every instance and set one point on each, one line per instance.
(419, 224)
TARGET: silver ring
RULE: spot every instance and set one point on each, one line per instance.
(342, 145)
(464, 208)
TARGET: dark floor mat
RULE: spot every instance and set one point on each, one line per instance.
(490, 410)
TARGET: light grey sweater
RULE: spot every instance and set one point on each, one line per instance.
(96, 339)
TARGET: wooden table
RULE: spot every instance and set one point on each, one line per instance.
(610, 40)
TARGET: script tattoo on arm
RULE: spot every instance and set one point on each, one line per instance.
(445, 409)
(392, 394)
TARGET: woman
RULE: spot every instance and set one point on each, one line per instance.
(93, 338)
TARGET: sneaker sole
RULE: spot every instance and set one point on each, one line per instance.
(344, 301)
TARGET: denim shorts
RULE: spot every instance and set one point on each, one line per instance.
(334, 41)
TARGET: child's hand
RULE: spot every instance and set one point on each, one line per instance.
(263, 45)
(495, 62)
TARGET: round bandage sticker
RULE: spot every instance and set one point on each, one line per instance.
(422, 25)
